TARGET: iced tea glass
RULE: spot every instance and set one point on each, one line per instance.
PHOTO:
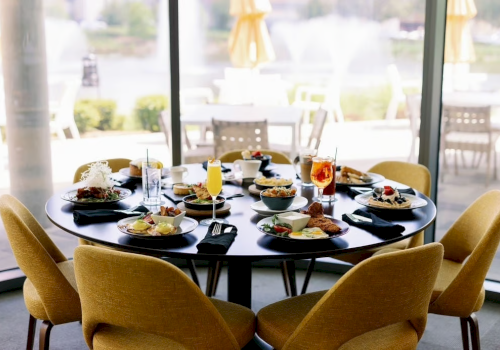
(329, 191)
(322, 174)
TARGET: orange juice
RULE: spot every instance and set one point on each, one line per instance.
(322, 172)
(214, 178)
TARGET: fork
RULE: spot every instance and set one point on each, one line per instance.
(216, 230)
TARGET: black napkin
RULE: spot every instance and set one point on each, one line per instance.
(130, 183)
(174, 198)
(217, 244)
(83, 217)
(223, 168)
(378, 226)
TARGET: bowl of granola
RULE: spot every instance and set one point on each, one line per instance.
(278, 198)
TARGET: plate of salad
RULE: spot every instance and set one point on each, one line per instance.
(96, 195)
(273, 227)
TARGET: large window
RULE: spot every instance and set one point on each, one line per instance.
(471, 95)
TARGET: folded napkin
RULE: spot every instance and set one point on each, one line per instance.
(378, 226)
(217, 244)
(83, 217)
(130, 183)
(223, 168)
(353, 191)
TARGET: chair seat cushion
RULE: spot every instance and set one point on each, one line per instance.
(241, 321)
(277, 322)
(398, 336)
(32, 299)
(109, 337)
(447, 273)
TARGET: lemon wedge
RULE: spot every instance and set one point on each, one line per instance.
(159, 165)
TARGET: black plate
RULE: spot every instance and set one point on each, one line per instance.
(196, 206)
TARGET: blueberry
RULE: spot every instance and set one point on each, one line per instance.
(388, 201)
(380, 199)
(399, 201)
(403, 199)
(374, 195)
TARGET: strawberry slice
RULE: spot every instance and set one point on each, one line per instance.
(388, 190)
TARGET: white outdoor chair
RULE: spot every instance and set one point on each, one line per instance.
(64, 115)
(468, 129)
(231, 135)
(331, 97)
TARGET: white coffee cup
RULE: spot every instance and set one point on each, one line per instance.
(178, 174)
(250, 168)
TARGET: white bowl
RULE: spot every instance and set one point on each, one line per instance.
(298, 221)
(173, 220)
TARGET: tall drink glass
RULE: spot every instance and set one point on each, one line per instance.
(322, 174)
(329, 191)
(214, 187)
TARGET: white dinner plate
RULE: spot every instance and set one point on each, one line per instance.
(374, 179)
(416, 202)
(262, 209)
(187, 225)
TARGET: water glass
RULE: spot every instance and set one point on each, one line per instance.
(151, 183)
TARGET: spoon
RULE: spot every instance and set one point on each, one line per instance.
(378, 191)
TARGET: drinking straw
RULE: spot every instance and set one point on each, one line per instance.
(147, 165)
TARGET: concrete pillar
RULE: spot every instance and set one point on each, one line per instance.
(26, 102)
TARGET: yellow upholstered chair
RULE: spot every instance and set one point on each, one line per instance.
(469, 248)
(131, 301)
(413, 175)
(50, 292)
(380, 304)
(277, 157)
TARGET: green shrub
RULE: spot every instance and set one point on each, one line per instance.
(86, 116)
(147, 110)
(96, 114)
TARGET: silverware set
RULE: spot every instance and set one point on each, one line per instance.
(358, 218)
(218, 228)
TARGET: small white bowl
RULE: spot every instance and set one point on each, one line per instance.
(298, 221)
(173, 220)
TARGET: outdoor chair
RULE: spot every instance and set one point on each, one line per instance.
(50, 292)
(305, 95)
(132, 301)
(231, 135)
(470, 246)
(469, 129)
(413, 104)
(417, 177)
(64, 115)
(380, 304)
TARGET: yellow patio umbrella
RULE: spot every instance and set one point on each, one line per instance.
(249, 42)
(459, 47)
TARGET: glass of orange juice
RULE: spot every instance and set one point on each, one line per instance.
(322, 174)
(214, 187)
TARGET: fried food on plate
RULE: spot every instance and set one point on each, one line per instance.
(319, 220)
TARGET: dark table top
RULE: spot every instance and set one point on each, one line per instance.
(250, 244)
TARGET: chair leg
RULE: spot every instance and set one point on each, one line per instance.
(45, 329)
(192, 270)
(465, 333)
(218, 270)
(289, 270)
(31, 333)
(286, 281)
(474, 332)
(214, 269)
(309, 272)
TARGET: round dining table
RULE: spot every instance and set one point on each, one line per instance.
(250, 244)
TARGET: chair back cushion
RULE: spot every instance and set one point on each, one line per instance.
(231, 135)
(466, 119)
(146, 294)
(380, 291)
(473, 241)
(416, 176)
(37, 256)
